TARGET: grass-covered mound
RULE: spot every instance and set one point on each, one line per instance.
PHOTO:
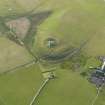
(71, 23)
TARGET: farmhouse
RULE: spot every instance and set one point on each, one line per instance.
(98, 75)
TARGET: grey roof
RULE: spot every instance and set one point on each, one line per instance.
(97, 81)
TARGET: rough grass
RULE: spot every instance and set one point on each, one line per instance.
(8, 7)
(32, 5)
(72, 24)
(96, 46)
(12, 55)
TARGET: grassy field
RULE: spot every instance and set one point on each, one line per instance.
(19, 87)
(67, 89)
(71, 22)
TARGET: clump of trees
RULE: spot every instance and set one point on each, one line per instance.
(75, 62)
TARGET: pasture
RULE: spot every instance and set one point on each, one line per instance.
(19, 87)
(67, 89)
(69, 23)
(12, 55)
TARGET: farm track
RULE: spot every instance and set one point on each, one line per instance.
(17, 68)
(97, 96)
(39, 91)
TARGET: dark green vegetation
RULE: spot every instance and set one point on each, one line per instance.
(78, 30)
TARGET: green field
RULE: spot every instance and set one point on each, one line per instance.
(70, 23)
(19, 87)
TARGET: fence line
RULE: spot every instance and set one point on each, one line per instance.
(98, 93)
(17, 67)
(39, 91)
